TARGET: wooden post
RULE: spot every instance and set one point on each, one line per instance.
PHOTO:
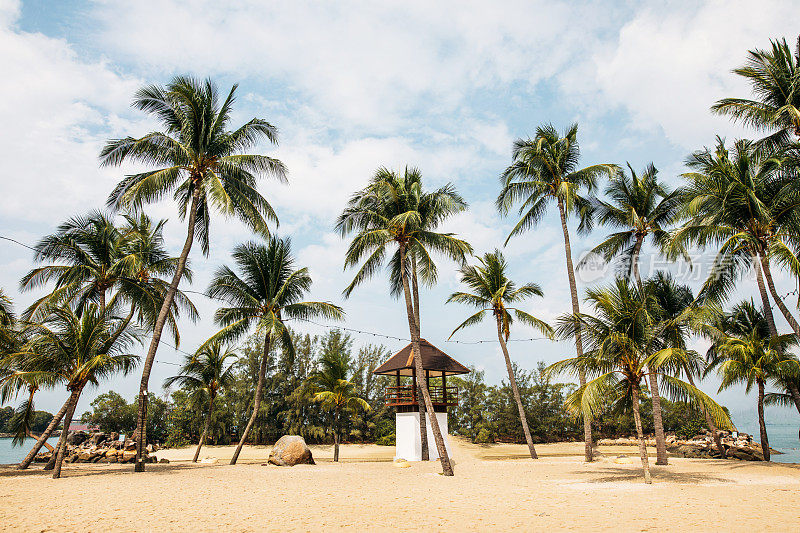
(414, 385)
(444, 386)
(428, 379)
(397, 393)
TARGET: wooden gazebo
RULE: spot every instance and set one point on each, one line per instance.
(435, 363)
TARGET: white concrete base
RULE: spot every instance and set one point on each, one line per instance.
(408, 445)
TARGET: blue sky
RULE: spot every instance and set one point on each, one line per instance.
(355, 85)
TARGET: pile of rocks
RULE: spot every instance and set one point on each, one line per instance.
(83, 447)
(736, 445)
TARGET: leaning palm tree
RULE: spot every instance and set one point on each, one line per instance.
(641, 208)
(76, 351)
(774, 77)
(266, 292)
(744, 351)
(493, 292)
(205, 373)
(201, 163)
(620, 335)
(387, 213)
(545, 168)
(745, 203)
(335, 392)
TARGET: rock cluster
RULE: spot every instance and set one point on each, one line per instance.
(741, 447)
(83, 447)
(290, 450)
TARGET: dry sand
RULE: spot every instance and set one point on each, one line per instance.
(495, 488)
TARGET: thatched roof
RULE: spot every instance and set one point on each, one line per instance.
(433, 359)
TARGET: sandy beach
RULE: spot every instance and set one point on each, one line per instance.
(495, 488)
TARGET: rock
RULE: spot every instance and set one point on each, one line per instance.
(97, 438)
(128, 456)
(74, 438)
(209, 460)
(163, 461)
(113, 436)
(291, 450)
(129, 445)
(112, 459)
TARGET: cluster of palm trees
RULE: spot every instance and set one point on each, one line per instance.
(112, 283)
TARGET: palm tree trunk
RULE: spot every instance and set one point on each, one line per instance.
(262, 376)
(513, 380)
(44, 436)
(423, 427)
(205, 430)
(762, 425)
(62, 441)
(141, 417)
(336, 439)
(573, 290)
(642, 444)
(658, 422)
(709, 421)
(447, 468)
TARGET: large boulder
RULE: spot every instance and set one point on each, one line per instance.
(291, 450)
(75, 438)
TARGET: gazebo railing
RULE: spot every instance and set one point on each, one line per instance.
(406, 395)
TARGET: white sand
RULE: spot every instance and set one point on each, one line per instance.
(493, 489)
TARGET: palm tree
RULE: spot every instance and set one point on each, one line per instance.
(493, 291)
(745, 351)
(620, 337)
(76, 351)
(641, 207)
(545, 168)
(774, 77)
(743, 202)
(8, 332)
(201, 162)
(334, 390)
(385, 213)
(266, 292)
(678, 315)
(205, 373)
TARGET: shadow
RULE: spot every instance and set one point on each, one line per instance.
(91, 469)
(616, 474)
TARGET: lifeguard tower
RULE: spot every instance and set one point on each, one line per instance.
(403, 397)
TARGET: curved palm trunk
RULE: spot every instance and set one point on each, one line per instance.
(45, 435)
(423, 427)
(262, 376)
(205, 430)
(658, 421)
(709, 421)
(573, 290)
(513, 380)
(642, 444)
(447, 468)
(762, 425)
(793, 390)
(141, 417)
(62, 441)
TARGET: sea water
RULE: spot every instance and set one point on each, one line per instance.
(782, 437)
(14, 454)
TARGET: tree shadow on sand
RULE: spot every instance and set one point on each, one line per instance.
(611, 474)
(84, 470)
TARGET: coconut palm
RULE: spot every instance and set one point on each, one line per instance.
(544, 169)
(205, 373)
(743, 202)
(774, 77)
(266, 292)
(385, 214)
(744, 351)
(493, 292)
(620, 337)
(202, 164)
(77, 351)
(642, 208)
(334, 390)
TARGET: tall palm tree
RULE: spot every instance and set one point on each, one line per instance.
(385, 214)
(493, 291)
(620, 336)
(774, 77)
(77, 351)
(205, 373)
(745, 351)
(335, 391)
(266, 292)
(202, 164)
(545, 169)
(641, 207)
(743, 202)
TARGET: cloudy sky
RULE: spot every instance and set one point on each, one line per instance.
(444, 86)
